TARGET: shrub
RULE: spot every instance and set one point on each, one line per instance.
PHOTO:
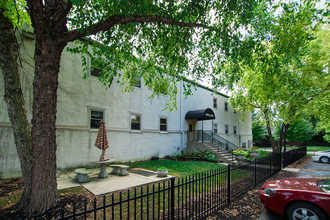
(197, 155)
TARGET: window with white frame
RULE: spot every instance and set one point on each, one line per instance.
(226, 129)
(235, 130)
(95, 118)
(135, 122)
(215, 104)
(163, 124)
(215, 128)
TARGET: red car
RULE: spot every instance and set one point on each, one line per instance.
(297, 198)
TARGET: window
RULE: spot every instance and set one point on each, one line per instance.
(163, 124)
(96, 71)
(96, 117)
(215, 103)
(135, 122)
(226, 129)
(215, 128)
(244, 145)
(226, 106)
(137, 81)
(235, 131)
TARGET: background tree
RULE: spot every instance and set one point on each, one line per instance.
(155, 39)
(274, 79)
(258, 130)
(302, 131)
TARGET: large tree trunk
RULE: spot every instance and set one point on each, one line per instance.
(36, 147)
(271, 137)
(15, 102)
(44, 187)
(269, 131)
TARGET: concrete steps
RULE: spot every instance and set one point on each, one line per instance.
(222, 155)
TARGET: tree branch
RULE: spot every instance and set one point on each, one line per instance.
(120, 19)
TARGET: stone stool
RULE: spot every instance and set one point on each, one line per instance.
(82, 175)
(119, 169)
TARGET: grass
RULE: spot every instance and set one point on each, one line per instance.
(317, 148)
(178, 168)
(309, 148)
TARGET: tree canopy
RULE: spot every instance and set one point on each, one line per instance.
(280, 78)
(162, 41)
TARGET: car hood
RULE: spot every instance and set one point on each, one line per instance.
(306, 184)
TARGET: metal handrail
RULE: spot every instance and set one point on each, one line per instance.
(220, 142)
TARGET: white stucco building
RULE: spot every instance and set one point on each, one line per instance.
(137, 126)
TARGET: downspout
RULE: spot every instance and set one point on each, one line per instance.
(181, 131)
(238, 131)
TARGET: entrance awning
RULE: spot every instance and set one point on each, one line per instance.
(202, 114)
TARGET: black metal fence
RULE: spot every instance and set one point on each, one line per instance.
(293, 155)
(191, 197)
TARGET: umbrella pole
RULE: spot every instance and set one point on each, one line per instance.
(102, 156)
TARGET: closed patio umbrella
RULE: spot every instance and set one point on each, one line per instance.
(102, 140)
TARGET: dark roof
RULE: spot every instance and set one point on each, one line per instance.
(202, 114)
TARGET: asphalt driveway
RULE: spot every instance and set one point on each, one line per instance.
(312, 169)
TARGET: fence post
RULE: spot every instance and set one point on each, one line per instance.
(172, 197)
(228, 184)
(255, 172)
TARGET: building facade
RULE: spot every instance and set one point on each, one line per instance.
(137, 127)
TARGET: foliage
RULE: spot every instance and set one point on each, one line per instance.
(319, 64)
(258, 131)
(162, 41)
(276, 80)
(162, 168)
(198, 155)
(241, 151)
(301, 131)
(255, 149)
(16, 12)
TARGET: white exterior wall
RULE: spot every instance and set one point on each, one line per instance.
(75, 139)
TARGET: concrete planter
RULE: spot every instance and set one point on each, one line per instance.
(162, 173)
(240, 157)
(254, 155)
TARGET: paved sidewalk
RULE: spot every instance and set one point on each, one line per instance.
(112, 183)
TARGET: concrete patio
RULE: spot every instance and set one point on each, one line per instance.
(98, 186)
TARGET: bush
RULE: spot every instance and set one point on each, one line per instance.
(198, 155)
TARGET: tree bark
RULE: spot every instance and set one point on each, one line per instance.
(49, 24)
(44, 186)
(15, 103)
(36, 147)
(269, 131)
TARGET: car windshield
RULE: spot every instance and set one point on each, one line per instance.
(324, 185)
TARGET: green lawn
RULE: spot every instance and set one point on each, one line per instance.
(178, 168)
(317, 148)
(309, 148)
